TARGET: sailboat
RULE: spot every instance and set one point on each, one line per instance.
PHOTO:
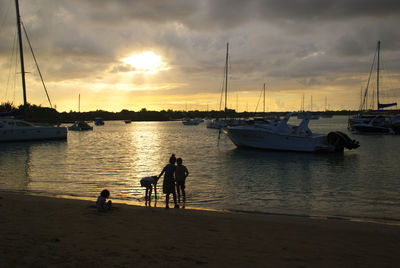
(219, 123)
(326, 114)
(374, 122)
(13, 130)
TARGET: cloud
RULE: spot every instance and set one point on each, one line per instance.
(311, 43)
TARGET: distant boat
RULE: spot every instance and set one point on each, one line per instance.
(219, 123)
(378, 125)
(98, 121)
(80, 126)
(285, 137)
(128, 121)
(20, 130)
(308, 116)
(371, 121)
(190, 122)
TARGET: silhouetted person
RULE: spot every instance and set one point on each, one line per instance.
(101, 203)
(148, 182)
(181, 173)
(169, 181)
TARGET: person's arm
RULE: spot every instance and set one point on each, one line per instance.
(186, 172)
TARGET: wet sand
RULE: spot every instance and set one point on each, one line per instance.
(41, 231)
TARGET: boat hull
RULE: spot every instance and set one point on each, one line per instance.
(274, 141)
(33, 134)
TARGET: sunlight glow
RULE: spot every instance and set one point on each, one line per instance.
(147, 62)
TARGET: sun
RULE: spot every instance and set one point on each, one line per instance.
(146, 62)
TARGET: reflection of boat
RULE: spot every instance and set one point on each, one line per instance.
(98, 121)
(80, 126)
(282, 136)
(18, 130)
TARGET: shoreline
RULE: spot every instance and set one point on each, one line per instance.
(140, 203)
(45, 231)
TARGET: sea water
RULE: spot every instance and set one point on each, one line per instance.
(362, 183)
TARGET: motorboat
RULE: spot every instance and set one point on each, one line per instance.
(308, 115)
(80, 126)
(377, 124)
(19, 130)
(190, 122)
(98, 121)
(279, 135)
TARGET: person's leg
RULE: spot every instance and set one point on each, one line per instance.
(178, 192)
(166, 200)
(174, 195)
(150, 190)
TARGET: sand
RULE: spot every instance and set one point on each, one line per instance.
(41, 231)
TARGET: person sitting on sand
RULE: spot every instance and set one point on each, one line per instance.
(181, 173)
(169, 181)
(101, 203)
(148, 182)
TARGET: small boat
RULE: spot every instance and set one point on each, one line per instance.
(378, 125)
(19, 130)
(190, 122)
(308, 116)
(80, 126)
(98, 121)
(128, 121)
(285, 137)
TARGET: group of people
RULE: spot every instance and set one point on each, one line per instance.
(173, 183)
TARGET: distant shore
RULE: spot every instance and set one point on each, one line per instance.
(43, 231)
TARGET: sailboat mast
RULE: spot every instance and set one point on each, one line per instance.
(264, 99)
(377, 75)
(226, 77)
(21, 51)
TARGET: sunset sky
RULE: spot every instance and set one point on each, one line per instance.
(133, 54)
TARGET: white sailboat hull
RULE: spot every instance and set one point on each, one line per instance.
(33, 134)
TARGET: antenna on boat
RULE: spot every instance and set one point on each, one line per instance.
(226, 77)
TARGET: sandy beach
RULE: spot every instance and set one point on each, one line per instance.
(41, 231)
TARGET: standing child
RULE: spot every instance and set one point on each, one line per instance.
(102, 204)
(181, 174)
(148, 182)
(169, 181)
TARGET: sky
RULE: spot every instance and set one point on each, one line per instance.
(134, 54)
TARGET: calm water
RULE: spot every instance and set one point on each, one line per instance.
(364, 183)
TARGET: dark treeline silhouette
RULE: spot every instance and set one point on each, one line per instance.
(40, 114)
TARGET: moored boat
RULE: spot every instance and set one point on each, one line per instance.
(19, 130)
(80, 126)
(285, 137)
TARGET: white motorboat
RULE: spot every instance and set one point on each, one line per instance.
(283, 136)
(80, 126)
(18, 130)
